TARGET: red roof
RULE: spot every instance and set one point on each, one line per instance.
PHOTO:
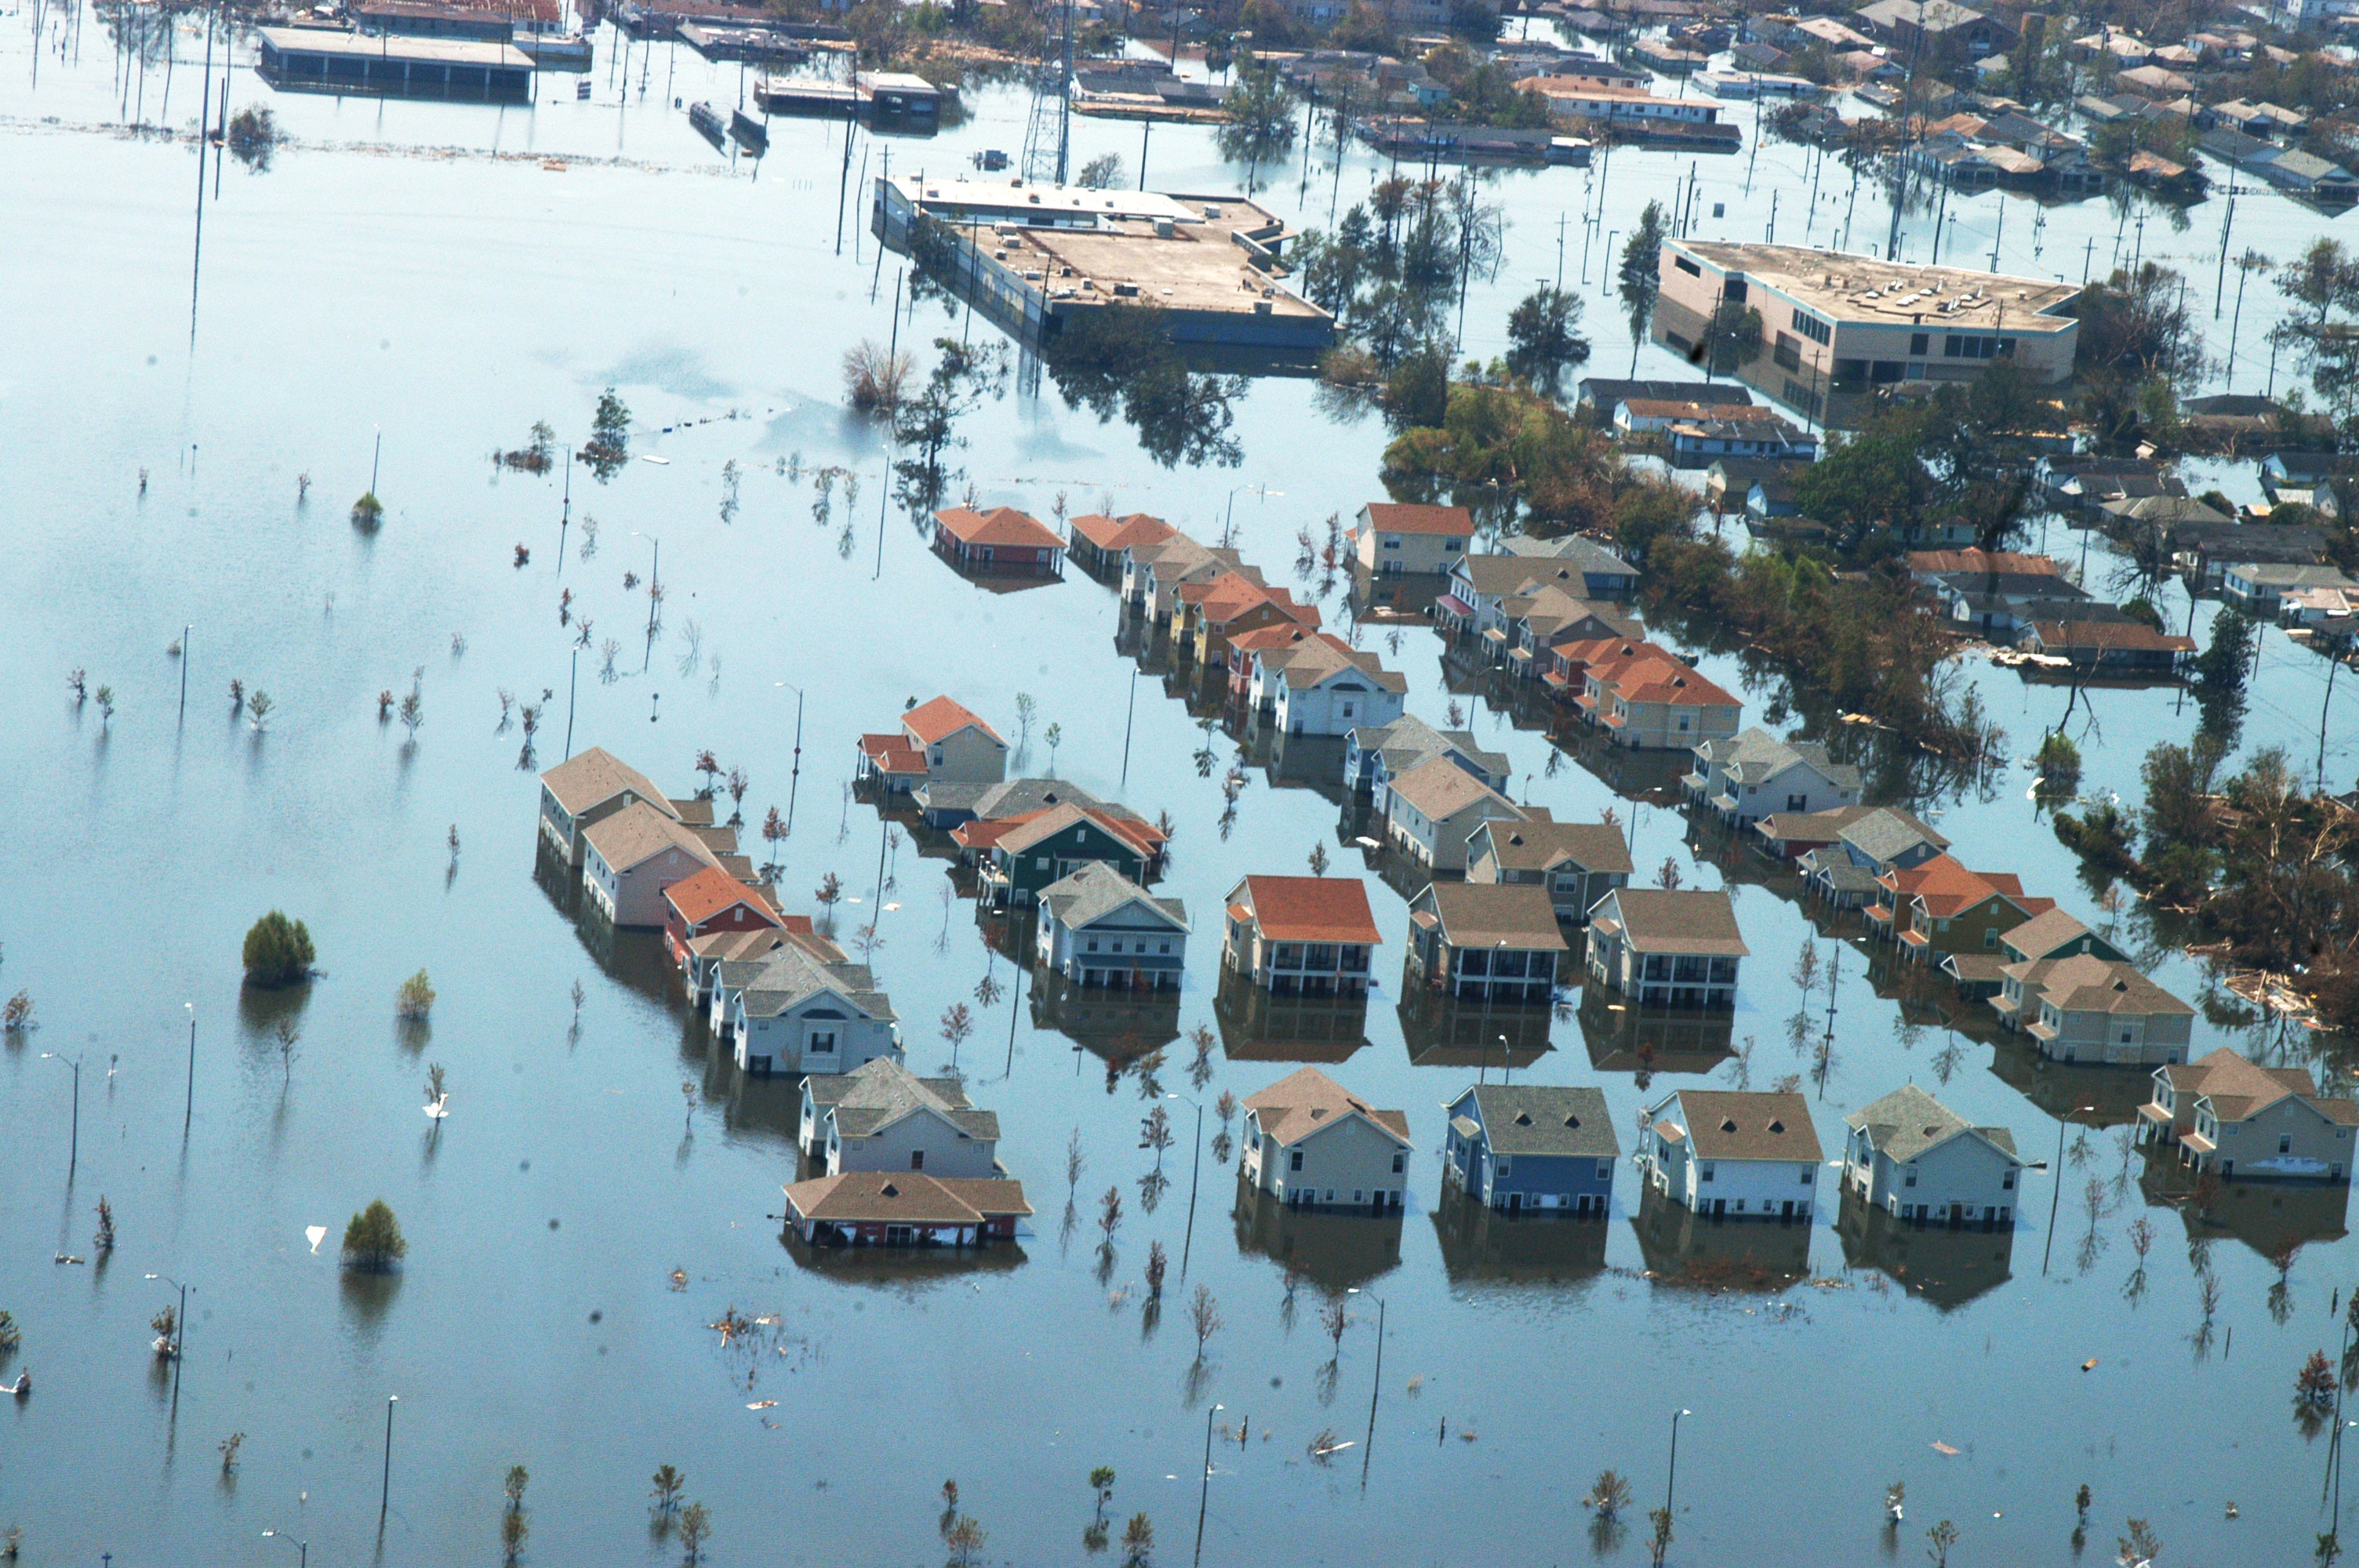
(1000, 525)
(931, 721)
(1111, 533)
(1310, 909)
(701, 897)
(1397, 518)
(892, 754)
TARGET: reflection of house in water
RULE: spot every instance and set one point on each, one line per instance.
(2094, 1096)
(1257, 1025)
(2270, 1218)
(1623, 1037)
(1332, 1250)
(1296, 761)
(1481, 1247)
(900, 1269)
(1441, 1032)
(1395, 599)
(1117, 1026)
(1652, 776)
(1947, 1267)
(1683, 1247)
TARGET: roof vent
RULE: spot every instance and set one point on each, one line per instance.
(1316, 1111)
(1572, 1121)
(890, 1191)
(1728, 1124)
(1522, 1119)
(1777, 1127)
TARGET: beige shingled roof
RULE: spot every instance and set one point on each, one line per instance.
(1732, 1124)
(1441, 788)
(905, 1197)
(1691, 921)
(1541, 846)
(639, 832)
(596, 776)
(1491, 915)
(1304, 1102)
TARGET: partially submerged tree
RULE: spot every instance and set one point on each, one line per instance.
(277, 952)
(609, 446)
(373, 1241)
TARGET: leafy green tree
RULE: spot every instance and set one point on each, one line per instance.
(277, 952)
(924, 427)
(373, 1241)
(1642, 261)
(1257, 121)
(1543, 337)
(609, 446)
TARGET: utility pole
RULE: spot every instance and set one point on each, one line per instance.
(185, 633)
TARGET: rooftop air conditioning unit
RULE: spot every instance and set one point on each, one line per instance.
(1211, 211)
(1163, 228)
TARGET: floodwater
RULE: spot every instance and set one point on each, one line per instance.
(419, 271)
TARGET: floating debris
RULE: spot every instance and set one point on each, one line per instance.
(678, 1278)
(66, 1258)
(1945, 1450)
(763, 1405)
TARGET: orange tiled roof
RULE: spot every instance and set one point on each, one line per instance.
(929, 721)
(1000, 525)
(1312, 908)
(701, 897)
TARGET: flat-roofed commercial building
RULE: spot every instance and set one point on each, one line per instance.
(1835, 326)
(1037, 254)
(314, 60)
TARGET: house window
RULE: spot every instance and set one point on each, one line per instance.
(1040, 862)
(1093, 944)
(1807, 1172)
(2285, 1144)
(1398, 1165)
(823, 1040)
(916, 1158)
(1506, 1164)
(1359, 1194)
(1165, 947)
(1294, 1160)
(1990, 937)
(2125, 1034)
(1706, 1173)
(1606, 1170)
(2006, 1182)
(1909, 1180)
(1919, 343)
(1117, 946)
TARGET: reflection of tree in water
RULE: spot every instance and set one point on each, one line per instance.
(1120, 359)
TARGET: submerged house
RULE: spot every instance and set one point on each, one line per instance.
(1309, 1142)
(589, 787)
(1526, 1147)
(1489, 942)
(1578, 862)
(882, 1117)
(938, 740)
(2235, 1117)
(1301, 936)
(1000, 540)
(1666, 949)
(1097, 927)
(1915, 1158)
(1733, 1154)
(903, 1208)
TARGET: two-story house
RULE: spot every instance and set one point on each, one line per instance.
(1749, 776)
(712, 900)
(1524, 1148)
(1845, 874)
(1152, 574)
(2094, 1009)
(1644, 699)
(589, 787)
(1213, 615)
(1301, 936)
(1675, 948)
(791, 1012)
(1733, 1154)
(1375, 753)
(1915, 1158)
(1097, 927)
(1938, 908)
(1017, 857)
(1577, 862)
(1489, 942)
(2052, 933)
(1319, 687)
(1430, 811)
(1391, 539)
(2236, 1119)
(1099, 542)
(1601, 574)
(628, 858)
(938, 740)
(1000, 540)
(1309, 1142)
(882, 1117)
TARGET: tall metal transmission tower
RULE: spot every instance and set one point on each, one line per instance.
(1048, 139)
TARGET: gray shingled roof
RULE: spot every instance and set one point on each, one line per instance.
(782, 980)
(1409, 741)
(1756, 754)
(1097, 889)
(1883, 835)
(866, 1101)
(1532, 1119)
(1583, 555)
(1907, 1122)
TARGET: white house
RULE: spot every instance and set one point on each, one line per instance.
(885, 1118)
(791, 1012)
(1314, 688)
(1731, 1153)
(1098, 928)
(630, 857)
(1747, 777)
(1915, 1158)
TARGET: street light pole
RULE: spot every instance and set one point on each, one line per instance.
(180, 1335)
(1375, 1389)
(1671, 1486)
(1129, 715)
(794, 779)
(73, 1139)
(302, 1546)
(385, 1485)
(1195, 1171)
(1204, 1485)
(189, 1110)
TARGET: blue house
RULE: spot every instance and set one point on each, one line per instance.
(1525, 1146)
(1372, 753)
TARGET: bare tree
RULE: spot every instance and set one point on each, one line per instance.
(1203, 1317)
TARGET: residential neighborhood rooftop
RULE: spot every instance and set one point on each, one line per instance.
(1311, 909)
(1306, 1101)
(1542, 1121)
